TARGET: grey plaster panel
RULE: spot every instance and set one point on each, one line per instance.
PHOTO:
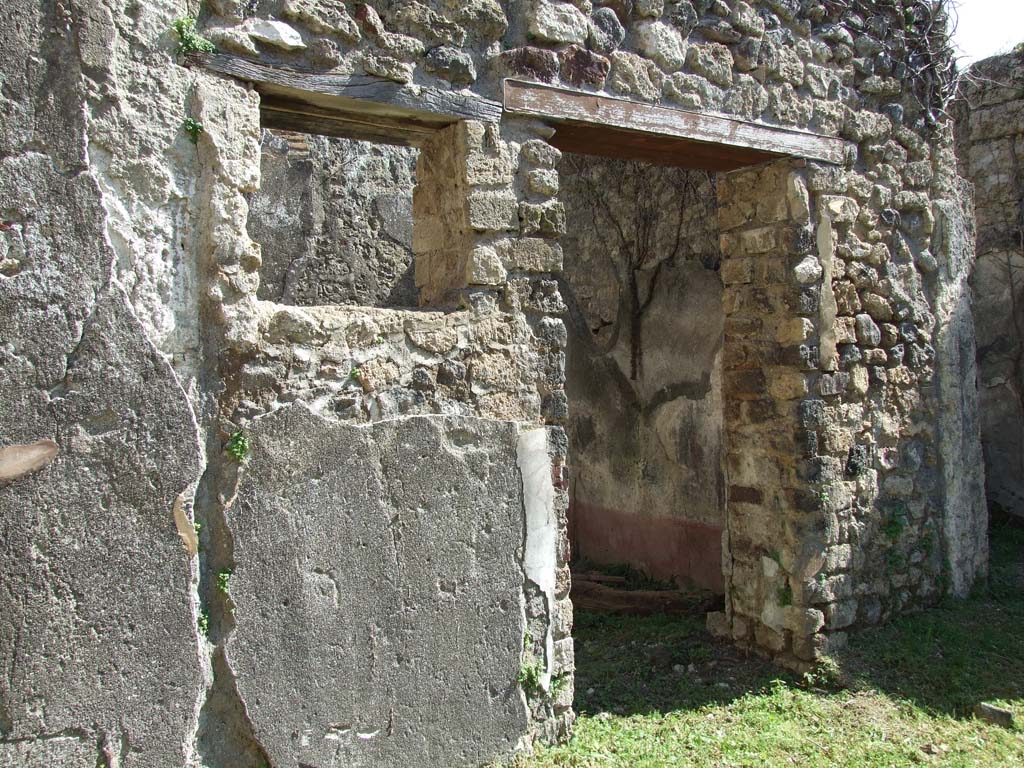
(378, 590)
(96, 629)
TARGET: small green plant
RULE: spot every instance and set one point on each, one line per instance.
(928, 546)
(223, 578)
(189, 39)
(896, 562)
(785, 595)
(826, 674)
(532, 670)
(238, 446)
(530, 674)
(894, 527)
(199, 529)
(823, 496)
(193, 128)
(204, 622)
(558, 684)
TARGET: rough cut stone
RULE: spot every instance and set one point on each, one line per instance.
(868, 333)
(581, 66)
(606, 32)
(451, 64)
(531, 61)
(323, 16)
(712, 61)
(275, 33)
(808, 271)
(383, 567)
(662, 43)
(635, 76)
(558, 22)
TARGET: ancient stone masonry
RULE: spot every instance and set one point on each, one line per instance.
(990, 147)
(293, 519)
(333, 219)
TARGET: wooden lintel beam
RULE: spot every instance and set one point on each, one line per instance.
(561, 105)
(292, 115)
(355, 94)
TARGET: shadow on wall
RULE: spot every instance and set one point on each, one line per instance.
(333, 218)
(645, 325)
(943, 661)
(990, 149)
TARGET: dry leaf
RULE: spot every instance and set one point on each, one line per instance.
(16, 461)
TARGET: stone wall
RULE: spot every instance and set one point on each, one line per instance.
(134, 337)
(99, 352)
(839, 360)
(333, 218)
(643, 368)
(990, 146)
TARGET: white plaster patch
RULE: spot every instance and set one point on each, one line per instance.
(540, 559)
(275, 33)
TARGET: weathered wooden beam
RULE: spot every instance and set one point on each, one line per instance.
(362, 95)
(682, 138)
(299, 116)
(613, 142)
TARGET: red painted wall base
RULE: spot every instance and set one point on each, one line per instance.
(662, 547)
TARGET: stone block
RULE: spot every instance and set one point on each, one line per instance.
(868, 333)
(583, 67)
(543, 181)
(530, 254)
(606, 32)
(636, 77)
(529, 61)
(808, 270)
(663, 44)
(713, 61)
(485, 267)
(492, 211)
(557, 22)
(451, 64)
(546, 219)
(384, 587)
(540, 154)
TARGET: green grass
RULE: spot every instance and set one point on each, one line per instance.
(657, 691)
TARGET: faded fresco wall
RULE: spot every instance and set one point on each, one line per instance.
(643, 368)
(990, 146)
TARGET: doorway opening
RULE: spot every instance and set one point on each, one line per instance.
(644, 381)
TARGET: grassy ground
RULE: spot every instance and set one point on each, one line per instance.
(658, 692)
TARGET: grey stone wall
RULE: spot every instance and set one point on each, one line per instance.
(643, 368)
(99, 347)
(134, 338)
(333, 218)
(990, 146)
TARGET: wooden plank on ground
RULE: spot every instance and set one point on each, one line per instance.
(662, 131)
(364, 95)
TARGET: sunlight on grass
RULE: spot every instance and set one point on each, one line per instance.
(656, 691)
